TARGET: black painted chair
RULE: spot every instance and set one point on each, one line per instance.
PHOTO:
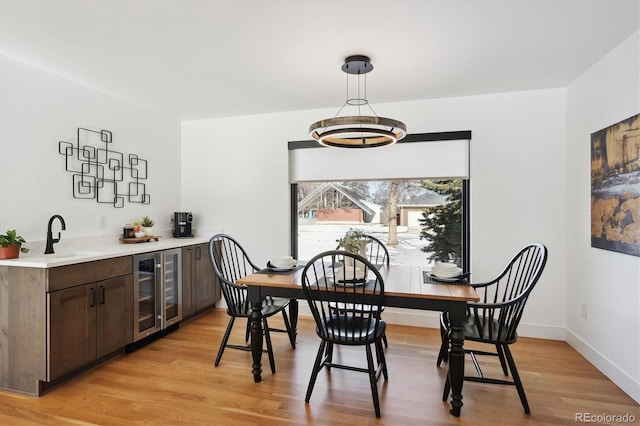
(494, 320)
(330, 277)
(230, 262)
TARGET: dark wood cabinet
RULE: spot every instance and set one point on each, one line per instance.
(87, 322)
(200, 288)
(114, 315)
(207, 287)
(189, 293)
(58, 320)
(72, 329)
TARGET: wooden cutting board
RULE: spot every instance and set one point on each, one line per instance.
(140, 240)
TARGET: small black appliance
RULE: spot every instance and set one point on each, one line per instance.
(182, 222)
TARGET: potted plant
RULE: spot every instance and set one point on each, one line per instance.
(147, 226)
(353, 241)
(11, 245)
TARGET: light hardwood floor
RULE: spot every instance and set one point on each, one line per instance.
(173, 382)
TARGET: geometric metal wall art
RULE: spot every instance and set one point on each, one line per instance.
(101, 173)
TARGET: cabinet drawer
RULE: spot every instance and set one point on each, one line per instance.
(81, 273)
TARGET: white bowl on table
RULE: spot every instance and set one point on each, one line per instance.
(446, 266)
(283, 262)
(446, 270)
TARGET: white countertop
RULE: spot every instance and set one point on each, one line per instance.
(88, 249)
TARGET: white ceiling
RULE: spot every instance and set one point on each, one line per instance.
(213, 58)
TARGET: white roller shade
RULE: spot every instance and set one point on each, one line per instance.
(433, 159)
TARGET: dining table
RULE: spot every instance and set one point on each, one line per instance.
(405, 286)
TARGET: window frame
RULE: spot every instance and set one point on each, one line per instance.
(410, 138)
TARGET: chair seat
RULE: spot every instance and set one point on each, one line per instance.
(489, 334)
(354, 330)
(274, 305)
(270, 306)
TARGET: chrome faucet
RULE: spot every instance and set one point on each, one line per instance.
(50, 239)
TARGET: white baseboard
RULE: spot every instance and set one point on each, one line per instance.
(538, 331)
(618, 376)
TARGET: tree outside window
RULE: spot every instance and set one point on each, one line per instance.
(442, 224)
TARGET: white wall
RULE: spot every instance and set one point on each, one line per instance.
(38, 109)
(235, 178)
(606, 282)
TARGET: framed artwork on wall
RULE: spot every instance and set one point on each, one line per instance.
(615, 187)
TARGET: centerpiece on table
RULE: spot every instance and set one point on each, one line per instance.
(354, 241)
(11, 245)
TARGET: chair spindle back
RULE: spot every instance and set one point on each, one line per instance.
(503, 299)
(230, 262)
(331, 277)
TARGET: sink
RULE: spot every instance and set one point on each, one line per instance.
(71, 254)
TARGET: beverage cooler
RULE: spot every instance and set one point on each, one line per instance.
(157, 291)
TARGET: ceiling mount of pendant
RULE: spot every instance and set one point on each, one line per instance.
(357, 64)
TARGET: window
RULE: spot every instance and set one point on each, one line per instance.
(365, 205)
(346, 189)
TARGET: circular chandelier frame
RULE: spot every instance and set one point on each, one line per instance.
(361, 131)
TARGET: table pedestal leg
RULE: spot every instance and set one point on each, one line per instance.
(293, 319)
(457, 318)
(256, 340)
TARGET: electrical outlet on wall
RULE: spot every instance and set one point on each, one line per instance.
(102, 222)
(584, 311)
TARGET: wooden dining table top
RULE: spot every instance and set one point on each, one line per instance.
(399, 280)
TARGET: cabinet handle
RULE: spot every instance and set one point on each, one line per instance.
(102, 295)
(93, 297)
(198, 253)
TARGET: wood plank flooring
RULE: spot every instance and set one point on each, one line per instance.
(173, 382)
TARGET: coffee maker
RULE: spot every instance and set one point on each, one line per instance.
(181, 224)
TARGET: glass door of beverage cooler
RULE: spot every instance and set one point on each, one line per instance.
(147, 307)
(172, 289)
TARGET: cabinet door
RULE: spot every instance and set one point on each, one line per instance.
(189, 294)
(207, 288)
(114, 314)
(72, 329)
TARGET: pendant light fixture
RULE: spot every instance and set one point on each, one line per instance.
(357, 131)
